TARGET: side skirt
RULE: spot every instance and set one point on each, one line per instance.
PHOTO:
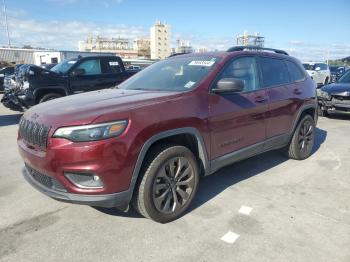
(273, 143)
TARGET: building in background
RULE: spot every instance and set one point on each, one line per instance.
(143, 47)
(17, 55)
(250, 39)
(183, 47)
(202, 50)
(119, 46)
(160, 41)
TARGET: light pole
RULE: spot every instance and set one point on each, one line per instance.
(6, 24)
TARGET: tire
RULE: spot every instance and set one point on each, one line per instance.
(163, 183)
(302, 142)
(326, 81)
(322, 112)
(49, 96)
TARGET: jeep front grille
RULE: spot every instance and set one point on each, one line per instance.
(33, 132)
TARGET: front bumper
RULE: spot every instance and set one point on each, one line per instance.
(119, 200)
(18, 100)
(334, 105)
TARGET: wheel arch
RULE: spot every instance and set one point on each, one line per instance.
(171, 136)
(305, 110)
(39, 93)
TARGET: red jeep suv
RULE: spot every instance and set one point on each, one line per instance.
(148, 141)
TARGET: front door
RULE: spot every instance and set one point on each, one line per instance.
(237, 120)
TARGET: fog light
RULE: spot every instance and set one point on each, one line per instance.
(84, 180)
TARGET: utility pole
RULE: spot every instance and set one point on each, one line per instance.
(7, 25)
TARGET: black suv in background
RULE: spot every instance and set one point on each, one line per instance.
(35, 85)
(337, 72)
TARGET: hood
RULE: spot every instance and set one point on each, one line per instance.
(337, 88)
(310, 72)
(35, 72)
(95, 107)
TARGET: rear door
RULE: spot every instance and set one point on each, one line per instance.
(237, 120)
(113, 72)
(276, 82)
(91, 79)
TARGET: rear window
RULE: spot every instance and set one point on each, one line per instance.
(274, 72)
(296, 74)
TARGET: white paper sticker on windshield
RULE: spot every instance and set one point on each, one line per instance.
(72, 62)
(202, 63)
(113, 63)
(189, 84)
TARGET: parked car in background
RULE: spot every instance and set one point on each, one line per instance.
(133, 67)
(9, 82)
(319, 72)
(335, 97)
(3, 73)
(149, 141)
(337, 72)
(35, 85)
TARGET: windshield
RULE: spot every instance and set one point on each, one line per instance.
(345, 78)
(64, 66)
(337, 69)
(309, 66)
(175, 74)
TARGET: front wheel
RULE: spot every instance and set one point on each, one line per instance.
(326, 81)
(322, 112)
(168, 185)
(302, 143)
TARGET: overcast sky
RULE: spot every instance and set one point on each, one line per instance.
(310, 30)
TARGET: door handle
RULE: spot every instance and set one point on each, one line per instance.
(297, 92)
(260, 99)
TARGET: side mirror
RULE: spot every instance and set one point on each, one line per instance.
(78, 72)
(229, 85)
(318, 68)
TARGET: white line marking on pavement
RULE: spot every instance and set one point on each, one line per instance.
(230, 237)
(245, 210)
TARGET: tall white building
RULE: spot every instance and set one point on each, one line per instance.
(160, 41)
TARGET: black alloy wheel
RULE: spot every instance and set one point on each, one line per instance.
(303, 139)
(169, 183)
(173, 185)
(306, 137)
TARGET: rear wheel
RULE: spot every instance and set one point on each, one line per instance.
(303, 139)
(49, 97)
(168, 185)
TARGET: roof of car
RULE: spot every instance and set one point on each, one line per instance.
(237, 50)
(313, 63)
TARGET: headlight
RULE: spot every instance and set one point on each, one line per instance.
(92, 132)
(322, 94)
(25, 85)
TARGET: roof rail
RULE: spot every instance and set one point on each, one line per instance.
(176, 54)
(255, 48)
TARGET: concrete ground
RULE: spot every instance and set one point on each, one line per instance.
(300, 212)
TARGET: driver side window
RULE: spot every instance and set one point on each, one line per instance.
(244, 69)
(91, 67)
